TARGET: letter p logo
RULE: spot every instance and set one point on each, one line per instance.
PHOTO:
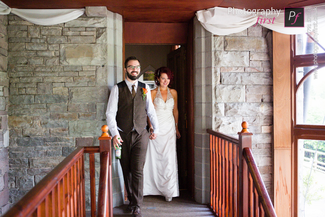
(294, 17)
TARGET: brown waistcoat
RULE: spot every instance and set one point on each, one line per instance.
(131, 113)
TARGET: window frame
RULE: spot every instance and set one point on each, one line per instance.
(301, 131)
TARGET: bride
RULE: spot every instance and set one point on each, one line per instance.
(160, 169)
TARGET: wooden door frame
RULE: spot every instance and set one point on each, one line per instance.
(169, 34)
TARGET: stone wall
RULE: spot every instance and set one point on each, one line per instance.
(233, 83)
(243, 91)
(4, 132)
(59, 78)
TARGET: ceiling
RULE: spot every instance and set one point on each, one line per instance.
(164, 11)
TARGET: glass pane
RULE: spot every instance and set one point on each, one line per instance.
(305, 45)
(310, 97)
(311, 176)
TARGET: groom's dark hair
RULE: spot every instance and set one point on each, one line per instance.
(130, 58)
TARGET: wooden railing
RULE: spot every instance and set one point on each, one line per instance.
(61, 193)
(237, 188)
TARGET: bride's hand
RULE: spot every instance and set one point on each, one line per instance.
(178, 134)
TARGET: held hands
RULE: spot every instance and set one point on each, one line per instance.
(152, 134)
(117, 141)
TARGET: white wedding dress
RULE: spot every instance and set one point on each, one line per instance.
(160, 169)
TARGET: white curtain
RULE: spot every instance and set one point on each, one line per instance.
(45, 17)
(225, 21)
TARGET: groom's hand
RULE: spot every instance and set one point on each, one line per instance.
(152, 136)
(117, 141)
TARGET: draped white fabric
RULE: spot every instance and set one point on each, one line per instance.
(225, 21)
(45, 17)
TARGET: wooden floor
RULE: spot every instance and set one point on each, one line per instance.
(156, 206)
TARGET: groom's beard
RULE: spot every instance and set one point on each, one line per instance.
(133, 78)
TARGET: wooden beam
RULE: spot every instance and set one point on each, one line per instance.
(282, 125)
(155, 33)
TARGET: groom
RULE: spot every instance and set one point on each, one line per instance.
(128, 107)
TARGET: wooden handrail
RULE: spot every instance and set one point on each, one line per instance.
(258, 182)
(62, 191)
(30, 202)
(235, 182)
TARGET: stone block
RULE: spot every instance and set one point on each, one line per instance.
(57, 39)
(54, 47)
(26, 152)
(258, 93)
(262, 138)
(18, 60)
(64, 116)
(3, 63)
(24, 99)
(219, 109)
(2, 103)
(44, 88)
(84, 54)
(82, 128)
(82, 107)
(49, 123)
(101, 111)
(87, 116)
(87, 22)
(17, 46)
(89, 94)
(30, 141)
(51, 30)
(81, 39)
(98, 11)
(233, 58)
(45, 162)
(59, 132)
(67, 150)
(18, 162)
(17, 34)
(61, 91)
(257, 44)
(50, 98)
(38, 40)
(34, 32)
(227, 125)
(248, 109)
(36, 46)
(230, 93)
(259, 56)
(61, 79)
(36, 130)
(232, 69)
(86, 80)
(218, 43)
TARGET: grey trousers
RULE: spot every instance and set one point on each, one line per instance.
(134, 150)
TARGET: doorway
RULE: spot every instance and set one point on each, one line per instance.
(174, 57)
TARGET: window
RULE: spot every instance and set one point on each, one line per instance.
(309, 123)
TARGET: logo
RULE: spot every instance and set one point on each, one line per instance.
(294, 17)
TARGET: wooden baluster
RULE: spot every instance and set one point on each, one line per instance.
(92, 184)
(105, 194)
(245, 140)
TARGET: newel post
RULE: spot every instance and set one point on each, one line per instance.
(245, 141)
(105, 193)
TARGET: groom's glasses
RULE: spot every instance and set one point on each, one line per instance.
(134, 67)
